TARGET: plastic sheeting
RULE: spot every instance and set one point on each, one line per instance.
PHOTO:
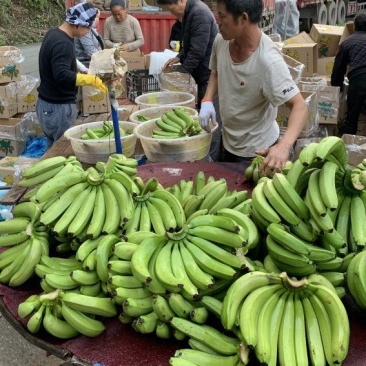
(286, 21)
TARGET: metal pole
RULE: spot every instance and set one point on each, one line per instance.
(114, 107)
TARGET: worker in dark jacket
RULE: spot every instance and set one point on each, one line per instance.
(199, 31)
(352, 55)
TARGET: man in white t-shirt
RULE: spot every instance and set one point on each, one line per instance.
(251, 79)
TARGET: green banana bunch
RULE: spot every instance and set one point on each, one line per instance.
(252, 173)
(355, 276)
(102, 133)
(176, 124)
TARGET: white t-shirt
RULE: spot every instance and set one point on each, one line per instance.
(249, 94)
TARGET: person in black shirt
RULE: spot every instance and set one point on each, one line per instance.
(352, 55)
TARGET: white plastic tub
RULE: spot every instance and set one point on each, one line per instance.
(170, 98)
(91, 151)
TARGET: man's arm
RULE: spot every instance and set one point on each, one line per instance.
(339, 67)
(277, 155)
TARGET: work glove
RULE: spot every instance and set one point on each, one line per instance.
(207, 111)
(91, 80)
(117, 45)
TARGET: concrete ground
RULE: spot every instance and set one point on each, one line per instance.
(14, 349)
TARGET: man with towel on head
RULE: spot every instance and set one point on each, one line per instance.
(56, 104)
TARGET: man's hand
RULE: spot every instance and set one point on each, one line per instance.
(124, 48)
(207, 111)
(171, 61)
(91, 80)
(276, 158)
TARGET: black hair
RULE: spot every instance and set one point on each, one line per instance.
(254, 8)
(360, 22)
(167, 2)
(120, 3)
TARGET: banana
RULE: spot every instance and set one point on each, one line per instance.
(53, 185)
(305, 232)
(91, 290)
(284, 255)
(176, 119)
(125, 250)
(124, 281)
(97, 220)
(60, 281)
(13, 239)
(286, 337)
(123, 197)
(295, 269)
(224, 202)
(30, 305)
(180, 305)
(313, 334)
(269, 265)
(57, 327)
(162, 308)
(84, 214)
(157, 222)
(340, 331)
(126, 181)
(212, 304)
(300, 332)
(199, 346)
(332, 145)
(331, 265)
(220, 236)
(40, 178)
(216, 252)
(84, 278)
(141, 257)
(249, 312)
(174, 204)
(155, 285)
(239, 290)
(89, 304)
(327, 185)
(164, 271)
(112, 214)
(43, 166)
(29, 210)
(26, 270)
(166, 213)
(358, 219)
(35, 321)
(147, 323)
(261, 204)
(208, 264)
(138, 236)
(14, 225)
(104, 251)
(167, 127)
(199, 182)
(86, 248)
(295, 172)
(133, 224)
(280, 206)
(163, 330)
(315, 195)
(137, 307)
(269, 323)
(335, 278)
(343, 221)
(119, 267)
(320, 255)
(203, 334)
(308, 153)
(55, 210)
(288, 240)
(145, 222)
(81, 322)
(193, 204)
(196, 357)
(70, 263)
(120, 294)
(221, 222)
(8, 272)
(290, 196)
(356, 279)
(68, 216)
(244, 221)
(214, 195)
(202, 280)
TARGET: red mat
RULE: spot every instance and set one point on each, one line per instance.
(120, 345)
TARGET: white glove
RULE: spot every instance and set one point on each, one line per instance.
(116, 45)
(207, 111)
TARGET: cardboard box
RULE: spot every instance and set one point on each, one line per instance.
(27, 103)
(7, 169)
(301, 38)
(311, 123)
(296, 68)
(95, 101)
(135, 60)
(325, 66)
(134, 4)
(11, 128)
(10, 58)
(304, 53)
(328, 101)
(348, 30)
(11, 147)
(8, 93)
(327, 37)
(7, 110)
(356, 148)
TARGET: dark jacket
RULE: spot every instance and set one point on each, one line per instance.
(351, 54)
(199, 31)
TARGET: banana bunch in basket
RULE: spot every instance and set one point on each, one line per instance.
(102, 133)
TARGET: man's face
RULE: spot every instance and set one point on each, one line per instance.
(228, 27)
(119, 13)
(176, 9)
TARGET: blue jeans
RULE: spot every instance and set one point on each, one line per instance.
(55, 119)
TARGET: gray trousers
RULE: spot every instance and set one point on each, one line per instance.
(55, 119)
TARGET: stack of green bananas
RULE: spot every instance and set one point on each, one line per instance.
(25, 240)
(176, 124)
(66, 315)
(288, 322)
(356, 279)
(103, 133)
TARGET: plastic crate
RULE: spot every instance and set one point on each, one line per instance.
(139, 82)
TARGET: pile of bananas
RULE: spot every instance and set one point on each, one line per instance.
(103, 133)
(167, 260)
(288, 322)
(176, 124)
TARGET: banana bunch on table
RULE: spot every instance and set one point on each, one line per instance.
(176, 124)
